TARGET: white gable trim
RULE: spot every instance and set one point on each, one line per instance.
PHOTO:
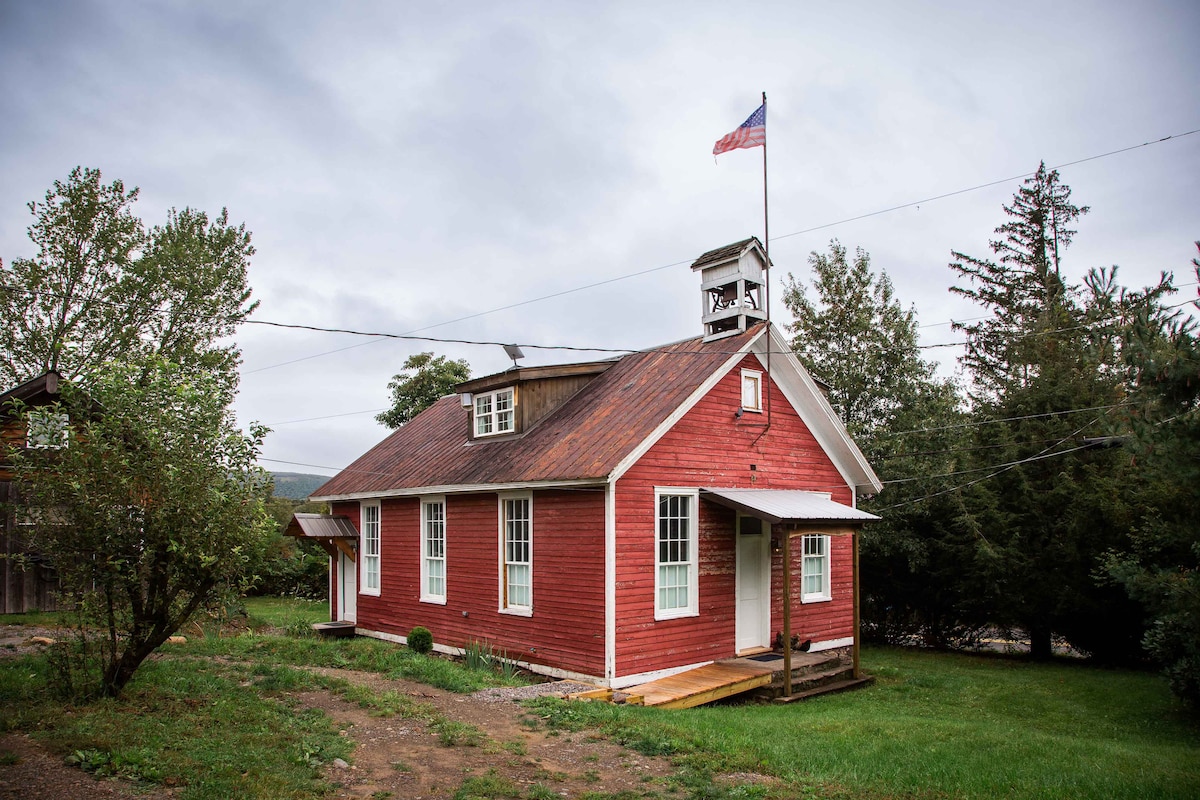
(806, 399)
(610, 582)
(695, 397)
(818, 415)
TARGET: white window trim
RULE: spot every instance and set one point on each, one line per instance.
(492, 414)
(426, 596)
(756, 377)
(693, 607)
(825, 594)
(364, 555)
(504, 606)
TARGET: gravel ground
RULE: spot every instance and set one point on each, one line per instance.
(518, 693)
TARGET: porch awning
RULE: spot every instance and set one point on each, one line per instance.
(787, 505)
(333, 532)
(322, 526)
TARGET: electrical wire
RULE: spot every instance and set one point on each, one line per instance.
(773, 239)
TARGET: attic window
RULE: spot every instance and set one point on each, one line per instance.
(494, 413)
(751, 390)
(47, 429)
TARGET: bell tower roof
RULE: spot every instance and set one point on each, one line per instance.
(732, 287)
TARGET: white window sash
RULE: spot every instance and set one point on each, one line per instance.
(516, 554)
(433, 550)
(815, 580)
(495, 412)
(371, 523)
(676, 545)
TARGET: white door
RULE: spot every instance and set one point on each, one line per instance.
(753, 626)
(347, 588)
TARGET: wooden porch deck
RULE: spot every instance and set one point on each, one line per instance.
(702, 685)
(718, 680)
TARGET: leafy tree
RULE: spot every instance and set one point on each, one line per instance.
(101, 287)
(1045, 373)
(1160, 567)
(153, 511)
(425, 379)
(854, 334)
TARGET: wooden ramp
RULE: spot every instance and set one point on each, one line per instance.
(701, 685)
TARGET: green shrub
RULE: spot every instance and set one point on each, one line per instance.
(420, 640)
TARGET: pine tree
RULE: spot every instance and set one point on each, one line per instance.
(1045, 376)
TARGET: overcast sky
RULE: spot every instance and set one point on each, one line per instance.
(438, 168)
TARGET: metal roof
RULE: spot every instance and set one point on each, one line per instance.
(322, 526)
(729, 252)
(582, 441)
(787, 505)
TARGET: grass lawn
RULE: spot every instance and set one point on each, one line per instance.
(933, 725)
(940, 725)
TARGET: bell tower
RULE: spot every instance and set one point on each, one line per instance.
(732, 288)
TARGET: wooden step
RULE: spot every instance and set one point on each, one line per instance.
(338, 629)
(828, 688)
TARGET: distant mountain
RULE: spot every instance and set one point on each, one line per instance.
(296, 485)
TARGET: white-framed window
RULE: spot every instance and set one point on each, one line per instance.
(47, 429)
(675, 553)
(369, 552)
(751, 390)
(494, 412)
(516, 553)
(814, 578)
(433, 550)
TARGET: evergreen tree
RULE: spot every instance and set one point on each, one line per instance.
(1045, 376)
(1160, 566)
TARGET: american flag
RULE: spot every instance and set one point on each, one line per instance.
(751, 133)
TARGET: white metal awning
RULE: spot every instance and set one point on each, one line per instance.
(787, 505)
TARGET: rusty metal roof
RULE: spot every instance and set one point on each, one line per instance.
(582, 441)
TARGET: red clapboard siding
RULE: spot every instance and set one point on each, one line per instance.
(566, 629)
(709, 446)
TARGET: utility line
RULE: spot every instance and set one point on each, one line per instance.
(775, 238)
(1001, 470)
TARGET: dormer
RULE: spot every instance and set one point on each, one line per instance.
(509, 403)
(732, 288)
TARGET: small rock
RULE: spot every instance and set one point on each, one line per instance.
(340, 764)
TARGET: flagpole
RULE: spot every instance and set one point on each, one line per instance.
(767, 253)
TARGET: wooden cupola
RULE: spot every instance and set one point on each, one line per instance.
(732, 288)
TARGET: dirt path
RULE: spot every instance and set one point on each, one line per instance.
(405, 757)
(396, 754)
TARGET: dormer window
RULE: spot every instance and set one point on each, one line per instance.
(494, 413)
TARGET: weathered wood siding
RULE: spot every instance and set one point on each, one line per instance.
(709, 446)
(566, 629)
(28, 581)
(823, 620)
